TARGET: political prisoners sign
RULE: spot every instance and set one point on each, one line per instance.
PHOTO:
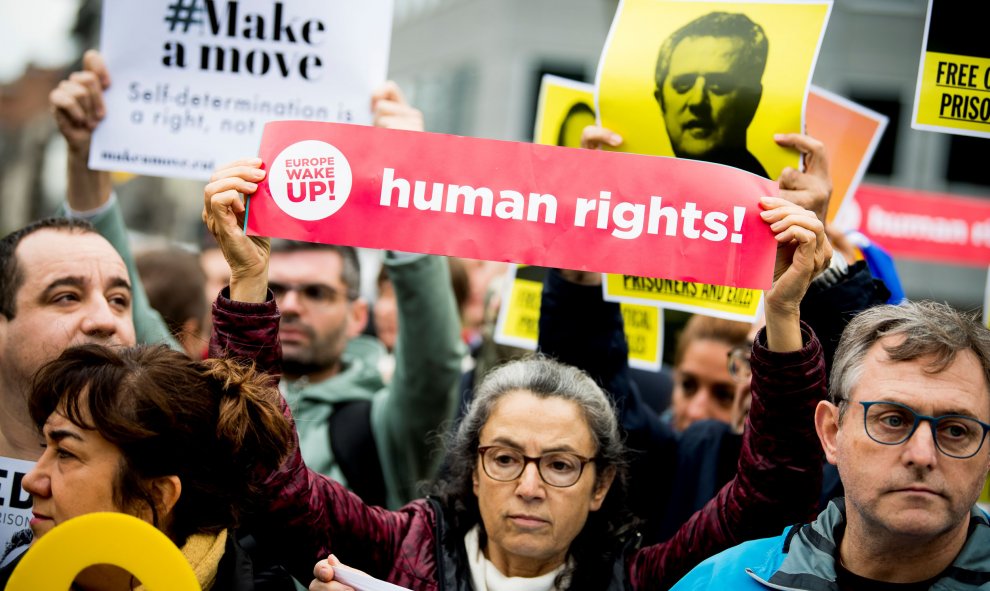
(193, 82)
(953, 92)
(525, 203)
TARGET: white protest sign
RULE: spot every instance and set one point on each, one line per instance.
(15, 509)
(359, 581)
(193, 82)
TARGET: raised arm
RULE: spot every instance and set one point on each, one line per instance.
(779, 471)
(422, 396)
(77, 105)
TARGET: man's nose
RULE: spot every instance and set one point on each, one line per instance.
(920, 449)
(100, 320)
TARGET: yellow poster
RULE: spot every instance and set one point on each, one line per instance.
(564, 109)
(518, 322)
(710, 80)
(953, 91)
(730, 303)
(560, 116)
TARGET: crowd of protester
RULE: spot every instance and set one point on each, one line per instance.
(238, 401)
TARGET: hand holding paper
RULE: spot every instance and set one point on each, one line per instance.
(223, 214)
(77, 102)
(803, 251)
(389, 109)
(812, 188)
(594, 137)
(331, 575)
(78, 107)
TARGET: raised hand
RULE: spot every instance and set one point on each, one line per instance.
(223, 214)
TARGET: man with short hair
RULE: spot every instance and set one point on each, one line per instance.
(906, 428)
(62, 285)
(353, 426)
(708, 88)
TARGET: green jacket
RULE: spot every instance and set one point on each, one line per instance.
(419, 401)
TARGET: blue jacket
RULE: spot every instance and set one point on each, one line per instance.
(803, 559)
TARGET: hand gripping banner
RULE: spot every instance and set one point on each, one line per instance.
(506, 201)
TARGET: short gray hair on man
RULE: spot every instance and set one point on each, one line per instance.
(926, 329)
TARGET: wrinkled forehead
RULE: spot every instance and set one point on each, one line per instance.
(538, 424)
(958, 388)
(51, 252)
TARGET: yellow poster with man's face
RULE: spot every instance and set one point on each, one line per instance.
(710, 81)
(564, 109)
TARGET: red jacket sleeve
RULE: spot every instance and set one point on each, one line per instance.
(779, 474)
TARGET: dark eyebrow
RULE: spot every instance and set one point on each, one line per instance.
(506, 442)
(71, 281)
(57, 435)
(120, 282)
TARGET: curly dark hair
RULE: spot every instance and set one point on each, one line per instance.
(215, 424)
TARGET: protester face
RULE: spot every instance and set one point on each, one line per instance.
(703, 387)
(74, 476)
(75, 290)
(530, 525)
(704, 107)
(317, 318)
(909, 490)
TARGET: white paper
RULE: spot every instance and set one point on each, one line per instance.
(362, 582)
(176, 106)
(15, 509)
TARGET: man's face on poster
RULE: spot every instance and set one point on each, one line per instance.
(706, 101)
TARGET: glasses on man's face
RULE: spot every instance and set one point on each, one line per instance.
(892, 423)
(311, 293)
(739, 365)
(559, 469)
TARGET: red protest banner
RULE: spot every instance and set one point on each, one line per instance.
(922, 225)
(507, 201)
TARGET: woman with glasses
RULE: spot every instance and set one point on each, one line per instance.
(533, 494)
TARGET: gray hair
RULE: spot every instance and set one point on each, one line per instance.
(929, 329)
(544, 378)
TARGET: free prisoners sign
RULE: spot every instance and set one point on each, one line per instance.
(507, 201)
(196, 87)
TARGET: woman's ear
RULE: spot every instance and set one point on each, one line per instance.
(166, 491)
(601, 488)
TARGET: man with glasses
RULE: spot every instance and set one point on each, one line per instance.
(371, 436)
(906, 427)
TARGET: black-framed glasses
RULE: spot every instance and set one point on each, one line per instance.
(739, 363)
(559, 469)
(311, 293)
(893, 423)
